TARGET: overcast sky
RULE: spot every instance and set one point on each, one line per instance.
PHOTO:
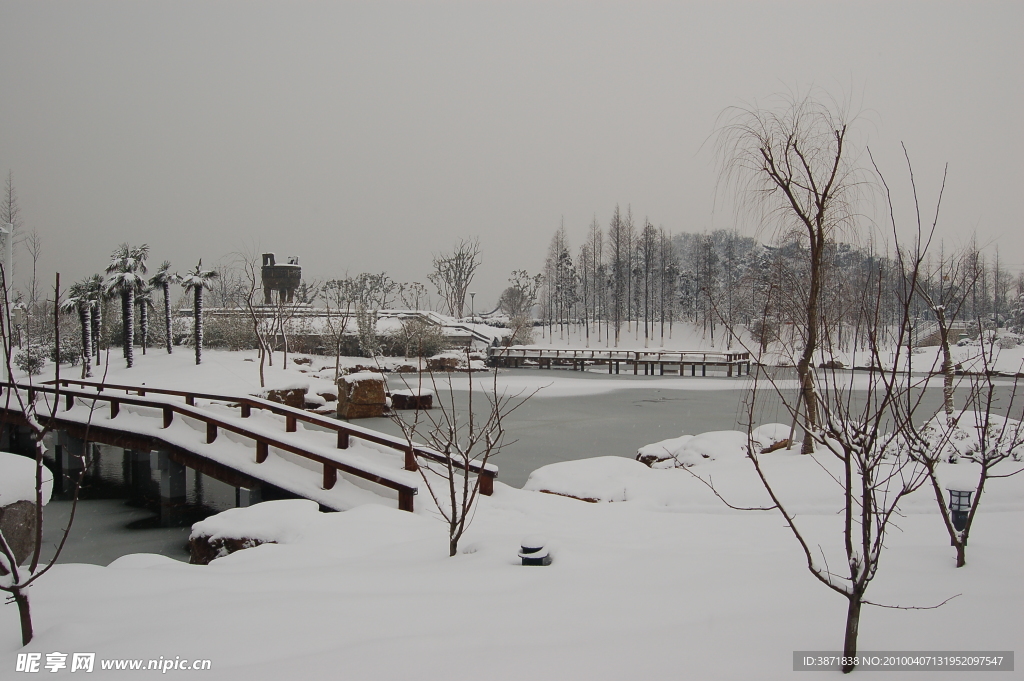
(365, 136)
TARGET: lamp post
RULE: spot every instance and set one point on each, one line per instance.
(959, 506)
(472, 306)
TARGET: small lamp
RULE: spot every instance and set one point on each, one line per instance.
(959, 506)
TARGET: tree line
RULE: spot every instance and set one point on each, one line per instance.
(646, 278)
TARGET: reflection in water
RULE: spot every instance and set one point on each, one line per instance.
(115, 517)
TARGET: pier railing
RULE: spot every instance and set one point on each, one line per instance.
(517, 355)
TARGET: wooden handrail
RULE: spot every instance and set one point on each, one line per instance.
(213, 424)
(667, 356)
(345, 431)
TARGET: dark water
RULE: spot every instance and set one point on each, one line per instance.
(113, 519)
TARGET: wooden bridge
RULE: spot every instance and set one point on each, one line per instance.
(261, 442)
(652, 361)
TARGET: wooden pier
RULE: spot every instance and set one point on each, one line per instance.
(654, 362)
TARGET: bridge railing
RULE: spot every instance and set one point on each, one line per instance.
(344, 431)
(629, 356)
(262, 441)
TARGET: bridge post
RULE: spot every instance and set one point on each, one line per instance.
(139, 474)
(69, 455)
(172, 486)
(245, 496)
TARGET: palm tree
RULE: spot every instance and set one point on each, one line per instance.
(164, 278)
(124, 277)
(94, 286)
(79, 299)
(197, 280)
(144, 301)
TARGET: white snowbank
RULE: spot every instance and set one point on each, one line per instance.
(18, 479)
(362, 376)
(272, 521)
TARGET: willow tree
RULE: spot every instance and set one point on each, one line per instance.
(795, 168)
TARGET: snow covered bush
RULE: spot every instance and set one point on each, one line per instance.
(229, 332)
(70, 351)
(415, 338)
(974, 437)
(1008, 342)
(32, 359)
(366, 323)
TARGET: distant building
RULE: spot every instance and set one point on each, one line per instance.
(281, 278)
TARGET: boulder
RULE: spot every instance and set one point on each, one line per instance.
(412, 399)
(292, 397)
(203, 549)
(348, 411)
(18, 523)
(361, 396)
(361, 388)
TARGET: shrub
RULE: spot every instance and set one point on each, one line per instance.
(416, 338)
(1008, 342)
(31, 360)
(70, 351)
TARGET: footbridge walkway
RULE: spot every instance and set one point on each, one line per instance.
(652, 361)
(244, 441)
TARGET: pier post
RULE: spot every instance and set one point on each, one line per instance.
(172, 486)
(69, 455)
(139, 474)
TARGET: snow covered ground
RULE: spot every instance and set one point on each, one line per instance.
(658, 580)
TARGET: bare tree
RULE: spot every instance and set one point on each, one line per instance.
(619, 245)
(647, 255)
(866, 438)
(34, 246)
(252, 294)
(413, 295)
(793, 165)
(946, 296)
(517, 301)
(466, 442)
(340, 298)
(17, 579)
(453, 273)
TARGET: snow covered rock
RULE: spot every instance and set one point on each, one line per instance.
(17, 502)
(412, 399)
(272, 522)
(292, 396)
(689, 450)
(603, 478)
(361, 395)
